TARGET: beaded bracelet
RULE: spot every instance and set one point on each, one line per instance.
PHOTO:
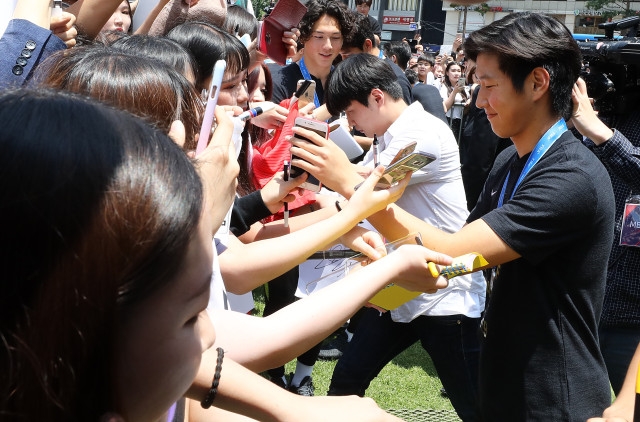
(211, 394)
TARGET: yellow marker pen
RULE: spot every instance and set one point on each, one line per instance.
(433, 269)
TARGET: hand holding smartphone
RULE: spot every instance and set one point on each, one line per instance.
(322, 129)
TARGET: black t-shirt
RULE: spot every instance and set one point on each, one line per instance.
(285, 83)
(431, 100)
(540, 359)
(479, 147)
(402, 80)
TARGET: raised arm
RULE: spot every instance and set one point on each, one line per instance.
(153, 14)
(91, 15)
(272, 257)
(449, 100)
(326, 161)
(621, 156)
(35, 11)
(263, 343)
(394, 223)
(243, 392)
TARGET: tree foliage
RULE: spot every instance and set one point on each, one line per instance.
(260, 6)
(612, 9)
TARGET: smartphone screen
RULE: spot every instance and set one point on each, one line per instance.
(396, 172)
(308, 95)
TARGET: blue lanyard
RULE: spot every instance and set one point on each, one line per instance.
(307, 76)
(539, 150)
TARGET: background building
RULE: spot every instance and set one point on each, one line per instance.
(439, 22)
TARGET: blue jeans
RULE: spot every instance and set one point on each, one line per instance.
(451, 341)
(618, 346)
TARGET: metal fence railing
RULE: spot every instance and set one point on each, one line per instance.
(425, 415)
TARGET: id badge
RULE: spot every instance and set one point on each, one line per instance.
(630, 232)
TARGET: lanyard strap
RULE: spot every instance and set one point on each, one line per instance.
(307, 76)
(539, 150)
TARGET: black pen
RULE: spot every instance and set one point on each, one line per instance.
(286, 204)
(433, 269)
(376, 160)
(334, 254)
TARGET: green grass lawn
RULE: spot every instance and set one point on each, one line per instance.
(407, 382)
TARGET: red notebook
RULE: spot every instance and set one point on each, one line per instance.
(285, 15)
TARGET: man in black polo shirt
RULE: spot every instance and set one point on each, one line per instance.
(544, 219)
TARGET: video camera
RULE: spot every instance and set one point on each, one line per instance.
(611, 68)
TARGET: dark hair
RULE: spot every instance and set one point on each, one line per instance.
(145, 87)
(427, 58)
(353, 80)
(447, 82)
(470, 71)
(317, 9)
(523, 41)
(252, 81)
(412, 76)
(361, 32)
(131, 12)
(160, 48)
(208, 44)
(367, 2)
(239, 21)
(252, 135)
(103, 37)
(401, 50)
(100, 209)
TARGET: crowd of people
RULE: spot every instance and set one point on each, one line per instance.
(123, 302)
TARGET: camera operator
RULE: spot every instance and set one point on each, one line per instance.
(617, 145)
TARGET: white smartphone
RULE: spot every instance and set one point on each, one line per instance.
(322, 129)
(212, 101)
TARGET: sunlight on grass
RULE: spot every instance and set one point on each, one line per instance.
(407, 382)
